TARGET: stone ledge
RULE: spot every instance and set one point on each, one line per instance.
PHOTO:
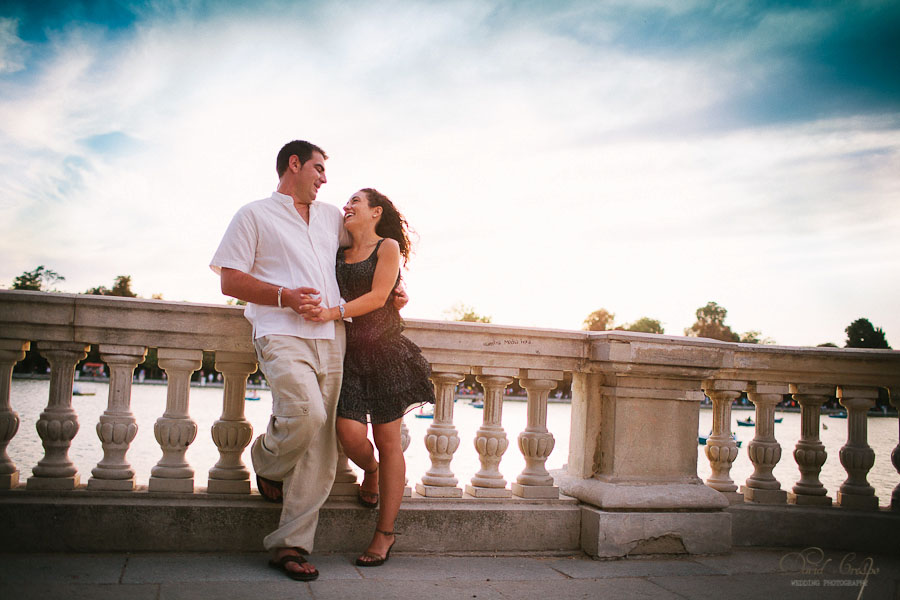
(823, 527)
(619, 534)
(87, 521)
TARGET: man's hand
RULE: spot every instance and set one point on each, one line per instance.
(301, 300)
(400, 297)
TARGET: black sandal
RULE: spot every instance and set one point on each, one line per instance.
(277, 498)
(281, 565)
(378, 560)
(360, 492)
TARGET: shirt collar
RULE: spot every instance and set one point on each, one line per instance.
(288, 200)
(283, 198)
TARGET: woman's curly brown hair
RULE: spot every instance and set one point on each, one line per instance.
(392, 224)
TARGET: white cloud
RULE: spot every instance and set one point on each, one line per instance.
(539, 171)
(12, 48)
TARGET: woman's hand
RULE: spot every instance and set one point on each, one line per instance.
(320, 314)
(301, 300)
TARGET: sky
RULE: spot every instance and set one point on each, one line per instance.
(645, 157)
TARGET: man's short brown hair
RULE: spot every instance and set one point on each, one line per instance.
(301, 148)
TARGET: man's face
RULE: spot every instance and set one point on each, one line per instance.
(310, 177)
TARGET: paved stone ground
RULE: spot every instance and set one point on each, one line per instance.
(771, 574)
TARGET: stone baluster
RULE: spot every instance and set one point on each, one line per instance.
(344, 477)
(175, 430)
(404, 444)
(764, 450)
(490, 439)
(857, 456)
(536, 442)
(11, 352)
(894, 394)
(58, 423)
(721, 448)
(441, 438)
(232, 431)
(117, 426)
(810, 451)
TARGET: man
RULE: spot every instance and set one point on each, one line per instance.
(278, 254)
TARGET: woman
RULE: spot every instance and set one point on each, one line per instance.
(385, 374)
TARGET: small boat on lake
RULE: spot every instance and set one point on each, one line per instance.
(749, 422)
(426, 412)
(702, 439)
(477, 404)
(77, 391)
(838, 415)
(252, 396)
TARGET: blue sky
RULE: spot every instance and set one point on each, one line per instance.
(554, 158)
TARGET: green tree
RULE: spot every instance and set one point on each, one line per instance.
(646, 325)
(711, 324)
(462, 312)
(862, 334)
(599, 320)
(121, 287)
(39, 279)
(755, 337)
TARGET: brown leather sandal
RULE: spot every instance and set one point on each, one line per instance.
(376, 560)
(262, 483)
(281, 565)
(360, 493)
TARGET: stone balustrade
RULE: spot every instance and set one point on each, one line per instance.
(632, 456)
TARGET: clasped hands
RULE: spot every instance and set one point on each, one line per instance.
(306, 302)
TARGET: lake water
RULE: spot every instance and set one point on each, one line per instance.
(29, 397)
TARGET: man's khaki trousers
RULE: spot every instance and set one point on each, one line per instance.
(300, 445)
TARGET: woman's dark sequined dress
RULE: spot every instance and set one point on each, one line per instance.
(385, 373)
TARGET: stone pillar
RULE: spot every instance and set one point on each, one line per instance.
(117, 426)
(11, 352)
(344, 478)
(232, 431)
(764, 450)
(175, 430)
(58, 423)
(441, 439)
(856, 455)
(536, 442)
(633, 456)
(895, 454)
(586, 423)
(490, 439)
(810, 451)
(404, 444)
(721, 448)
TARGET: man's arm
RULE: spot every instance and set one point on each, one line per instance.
(248, 288)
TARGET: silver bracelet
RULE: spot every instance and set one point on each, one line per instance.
(281, 289)
(341, 310)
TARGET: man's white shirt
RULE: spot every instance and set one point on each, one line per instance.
(269, 240)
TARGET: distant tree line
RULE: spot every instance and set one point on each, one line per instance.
(710, 324)
(44, 279)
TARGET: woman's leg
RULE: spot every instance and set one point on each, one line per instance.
(358, 448)
(392, 478)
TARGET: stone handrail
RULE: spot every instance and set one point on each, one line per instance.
(631, 392)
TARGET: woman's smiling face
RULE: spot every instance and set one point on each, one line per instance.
(357, 209)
